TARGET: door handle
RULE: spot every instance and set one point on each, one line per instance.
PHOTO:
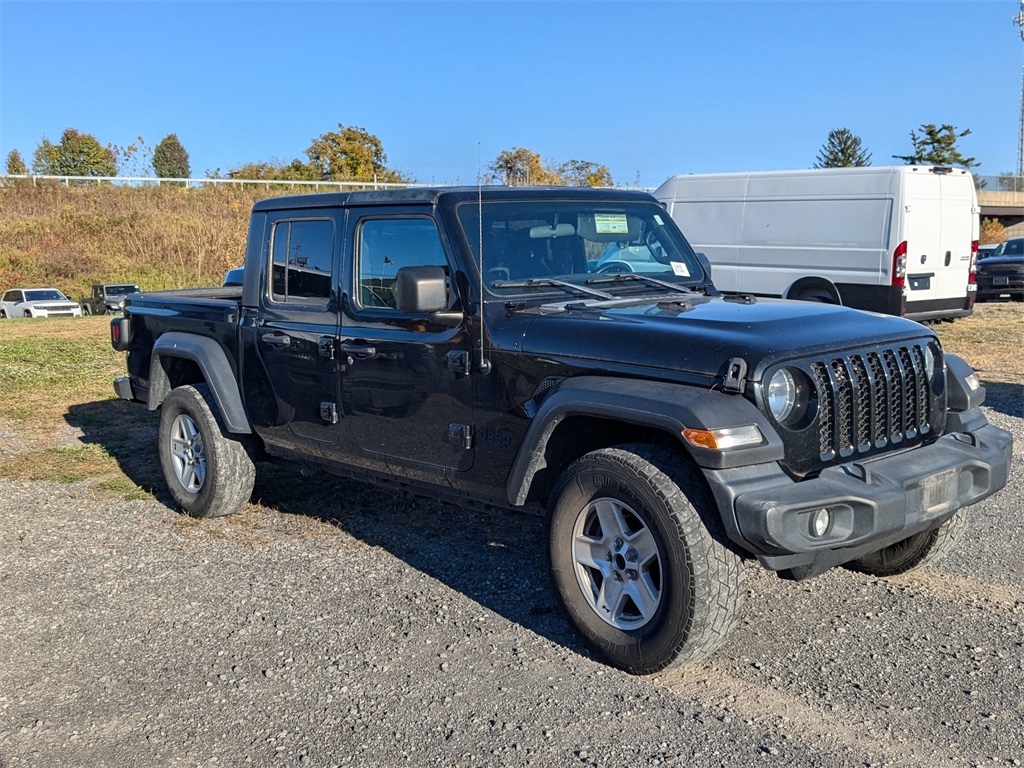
(362, 349)
(277, 339)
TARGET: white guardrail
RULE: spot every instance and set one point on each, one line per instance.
(139, 181)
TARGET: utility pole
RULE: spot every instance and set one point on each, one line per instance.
(1019, 21)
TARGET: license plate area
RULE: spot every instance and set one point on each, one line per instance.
(938, 493)
(1000, 281)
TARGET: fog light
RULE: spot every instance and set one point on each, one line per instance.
(820, 521)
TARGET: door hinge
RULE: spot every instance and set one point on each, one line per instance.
(458, 362)
(460, 435)
(329, 412)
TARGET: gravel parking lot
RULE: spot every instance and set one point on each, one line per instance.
(363, 627)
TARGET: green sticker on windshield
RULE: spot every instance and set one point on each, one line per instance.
(658, 221)
(611, 224)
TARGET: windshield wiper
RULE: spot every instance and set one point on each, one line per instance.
(536, 282)
(642, 278)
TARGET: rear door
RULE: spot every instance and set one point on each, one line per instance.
(939, 229)
(296, 337)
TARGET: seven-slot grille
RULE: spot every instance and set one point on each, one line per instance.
(870, 399)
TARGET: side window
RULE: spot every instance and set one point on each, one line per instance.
(302, 255)
(387, 245)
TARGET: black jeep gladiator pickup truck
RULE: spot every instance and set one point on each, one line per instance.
(565, 350)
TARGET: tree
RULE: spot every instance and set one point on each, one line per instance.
(842, 150)
(170, 160)
(992, 231)
(15, 165)
(582, 173)
(296, 170)
(937, 146)
(351, 154)
(134, 159)
(77, 154)
(519, 166)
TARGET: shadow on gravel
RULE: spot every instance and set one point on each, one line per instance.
(1005, 397)
(496, 558)
(127, 432)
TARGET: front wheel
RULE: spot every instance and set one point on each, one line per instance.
(208, 471)
(639, 560)
(914, 552)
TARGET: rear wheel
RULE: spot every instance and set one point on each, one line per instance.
(914, 552)
(819, 295)
(208, 472)
(639, 561)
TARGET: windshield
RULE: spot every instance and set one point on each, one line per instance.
(121, 290)
(573, 241)
(1009, 248)
(45, 294)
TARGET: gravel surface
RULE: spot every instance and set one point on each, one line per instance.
(381, 629)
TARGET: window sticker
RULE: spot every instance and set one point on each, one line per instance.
(679, 269)
(658, 221)
(611, 224)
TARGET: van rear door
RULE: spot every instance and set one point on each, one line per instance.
(940, 209)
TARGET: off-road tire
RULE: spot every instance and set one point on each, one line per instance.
(698, 579)
(914, 552)
(192, 438)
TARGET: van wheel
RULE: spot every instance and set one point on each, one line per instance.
(639, 560)
(207, 470)
(914, 552)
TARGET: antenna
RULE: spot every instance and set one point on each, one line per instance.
(1019, 21)
(485, 364)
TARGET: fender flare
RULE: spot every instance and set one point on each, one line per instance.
(661, 405)
(213, 361)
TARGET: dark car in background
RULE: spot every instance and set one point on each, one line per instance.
(1001, 275)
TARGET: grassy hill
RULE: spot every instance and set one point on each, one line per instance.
(158, 237)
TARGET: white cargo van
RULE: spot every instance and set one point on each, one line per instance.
(901, 240)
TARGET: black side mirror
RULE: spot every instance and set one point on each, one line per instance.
(424, 290)
(705, 264)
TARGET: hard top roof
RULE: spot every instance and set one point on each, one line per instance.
(433, 195)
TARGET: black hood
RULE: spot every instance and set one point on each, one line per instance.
(700, 335)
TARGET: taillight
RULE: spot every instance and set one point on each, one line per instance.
(120, 333)
(974, 262)
(899, 265)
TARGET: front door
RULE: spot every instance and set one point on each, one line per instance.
(406, 388)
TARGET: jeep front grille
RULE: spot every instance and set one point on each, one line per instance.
(871, 399)
(868, 401)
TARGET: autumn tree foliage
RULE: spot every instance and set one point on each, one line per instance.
(15, 164)
(519, 166)
(77, 154)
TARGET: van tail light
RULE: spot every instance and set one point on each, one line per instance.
(972, 275)
(899, 265)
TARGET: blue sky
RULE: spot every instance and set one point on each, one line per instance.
(649, 89)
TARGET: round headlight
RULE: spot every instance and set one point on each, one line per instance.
(782, 394)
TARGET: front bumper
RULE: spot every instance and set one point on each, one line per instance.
(871, 503)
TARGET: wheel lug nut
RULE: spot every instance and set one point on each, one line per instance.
(631, 555)
(616, 575)
(631, 574)
(618, 543)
